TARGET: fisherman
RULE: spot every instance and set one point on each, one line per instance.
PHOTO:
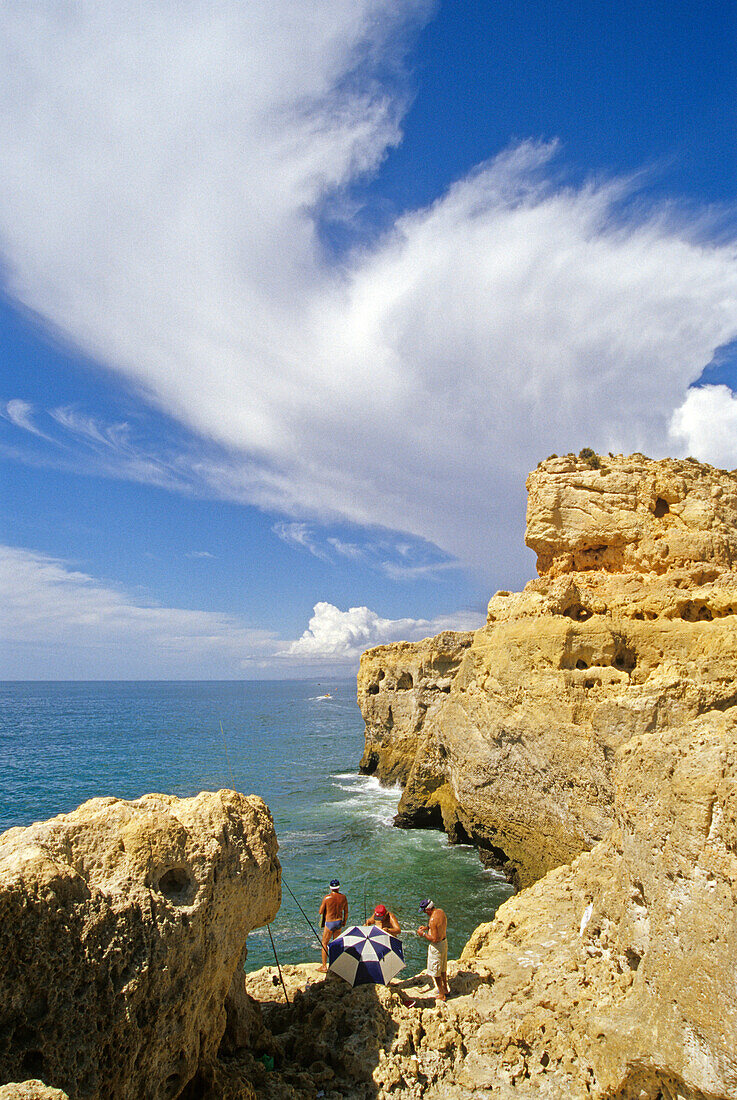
(385, 920)
(334, 914)
(436, 932)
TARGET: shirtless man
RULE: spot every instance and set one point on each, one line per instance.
(334, 913)
(435, 932)
(385, 920)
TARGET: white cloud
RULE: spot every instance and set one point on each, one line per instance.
(350, 550)
(60, 623)
(299, 534)
(705, 426)
(20, 415)
(164, 167)
(400, 572)
(338, 635)
(199, 554)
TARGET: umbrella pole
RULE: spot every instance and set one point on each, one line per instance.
(278, 965)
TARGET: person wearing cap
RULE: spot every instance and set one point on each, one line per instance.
(436, 934)
(385, 920)
(334, 914)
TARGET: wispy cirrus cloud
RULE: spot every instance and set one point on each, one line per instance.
(409, 385)
(397, 559)
(299, 534)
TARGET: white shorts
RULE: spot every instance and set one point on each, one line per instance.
(437, 958)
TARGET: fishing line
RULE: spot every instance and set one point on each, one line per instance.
(284, 882)
(317, 935)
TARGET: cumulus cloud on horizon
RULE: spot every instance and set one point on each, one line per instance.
(333, 634)
(62, 623)
(166, 171)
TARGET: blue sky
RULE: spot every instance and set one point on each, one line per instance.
(294, 294)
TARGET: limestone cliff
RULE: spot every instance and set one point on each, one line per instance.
(400, 687)
(122, 928)
(612, 978)
(629, 628)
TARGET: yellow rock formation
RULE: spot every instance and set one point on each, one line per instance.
(122, 928)
(629, 628)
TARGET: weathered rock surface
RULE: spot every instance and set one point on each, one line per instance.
(31, 1090)
(610, 979)
(631, 627)
(122, 927)
(630, 514)
(400, 687)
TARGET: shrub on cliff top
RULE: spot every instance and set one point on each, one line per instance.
(590, 457)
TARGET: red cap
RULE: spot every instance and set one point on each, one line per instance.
(380, 911)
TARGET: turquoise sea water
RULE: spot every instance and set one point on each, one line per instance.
(61, 743)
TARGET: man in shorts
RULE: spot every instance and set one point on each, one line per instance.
(436, 934)
(334, 914)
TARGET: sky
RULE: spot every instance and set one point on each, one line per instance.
(294, 294)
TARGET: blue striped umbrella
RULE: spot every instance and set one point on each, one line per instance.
(365, 954)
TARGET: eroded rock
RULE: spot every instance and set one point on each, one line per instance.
(611, 978)
(518, 755)
(122, 926)
(30, 1090)
(400, 686)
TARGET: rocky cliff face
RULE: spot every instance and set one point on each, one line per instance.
(122, 928)
(629, 628)
(400, 687)
(611, 978)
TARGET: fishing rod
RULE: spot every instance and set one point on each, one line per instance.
(285, 883)
(278, 964)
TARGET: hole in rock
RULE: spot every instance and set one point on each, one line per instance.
(458, 834)
(661, 508)
(33, 1064)
(577, 612)
(371, 764)
(373, 689)
(633, 959)
(405, 682)
(694, 612)
(172, 1084)
(381, 675)
(175, 884)
(580, 663)
(624, 660)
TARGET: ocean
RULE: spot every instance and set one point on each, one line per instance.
(295, 743)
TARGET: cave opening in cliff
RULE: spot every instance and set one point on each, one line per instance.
(662, 508)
